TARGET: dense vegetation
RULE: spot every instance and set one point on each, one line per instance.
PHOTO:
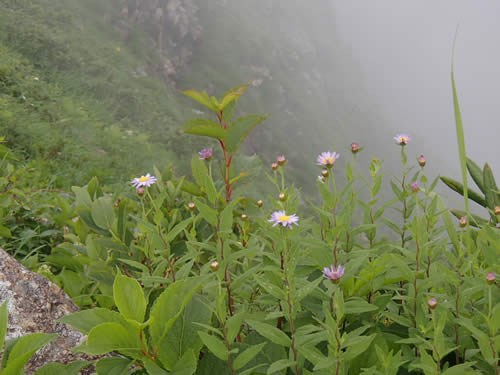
(209, 273)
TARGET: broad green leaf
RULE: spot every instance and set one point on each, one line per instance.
(233, 94)
(187, 364)
(152, 368)
(199, 170)
(183, 335)
(215, 345)
(205, 128)
(85, 320)
(110, 337)
(168, 308)
(23, 350)
(72, 368)
(129, 298)
(202, 98)
(240, 129)
(5, 232)
(247, 355)
(82, 196)
(102, 212)
(113, 366)
(270, 332)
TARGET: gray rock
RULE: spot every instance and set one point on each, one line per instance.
(34, 305)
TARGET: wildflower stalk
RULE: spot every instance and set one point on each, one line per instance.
(492, 331)
(403, 189)
(434, 346)
(289, 302)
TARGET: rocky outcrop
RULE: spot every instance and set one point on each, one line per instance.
(34, 305)
(173, 26)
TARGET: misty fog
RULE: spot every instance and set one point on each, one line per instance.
(404, 50)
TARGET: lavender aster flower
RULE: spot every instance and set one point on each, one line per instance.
(490, 277)
(327, 159)
(205, 154)
(146, 180)
(281, 160)
(280, 217)
(333, 274)
(402, 139)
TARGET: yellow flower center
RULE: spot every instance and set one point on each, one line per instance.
(143, 179)
(284, 218)
(330, 160)
(404, 139)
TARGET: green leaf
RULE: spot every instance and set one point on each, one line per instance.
(460, 139)
(4, 320)
(215, 345)
(23, 350)
(459, 188)
(210, 188)
(187, 364)
(152, 368)
(129, 298)
(113, 366)
(476, 174)
(179, 227)
(463, 369)
(5, 232)
(490, 186)
(270, 332)
(85, 320)
(240, 129)
(247, 355)
(357, 346)
(358, 306)
(209, 214)
(202, 98)
(226, 219)
(233, 94)
(82, 196)
(72, 368)
(110, 337)
(205, 128)
(168, 308)
(233, 325)
(182, 337)
(102, 212)
(280, 365)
